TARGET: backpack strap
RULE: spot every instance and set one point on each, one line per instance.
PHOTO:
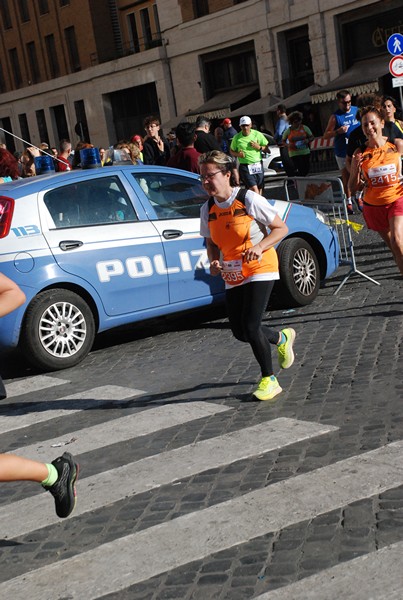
(241, 195)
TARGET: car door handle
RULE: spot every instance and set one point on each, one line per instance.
(70, 244)
(170, 234)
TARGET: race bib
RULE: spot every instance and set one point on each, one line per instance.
(382, 170)
(232, 271)
(255, 168)
(383, 175)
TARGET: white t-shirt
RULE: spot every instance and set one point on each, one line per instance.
(256, 206)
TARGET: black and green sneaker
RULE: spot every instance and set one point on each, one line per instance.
(64, 490)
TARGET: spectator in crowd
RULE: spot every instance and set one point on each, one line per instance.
(76, 162)
(54, 151)
(298, 137)
(205, 141)
(8, 166)
(219, 136)
(281, 126)
(186, 157)
(132, 151)
(138, 140)
(229, 130)
(102, 155)
(155, 147)
(62, 163)
(282, 123)
(389, 106)
(247, 147)
(340, 125)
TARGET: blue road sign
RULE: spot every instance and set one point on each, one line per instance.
(395, 44)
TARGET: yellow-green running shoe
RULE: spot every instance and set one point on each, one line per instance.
(267, 389)
(285, 351)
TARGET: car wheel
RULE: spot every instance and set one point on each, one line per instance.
(299, 272)
(58, 330)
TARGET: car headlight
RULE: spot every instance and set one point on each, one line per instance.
(324, 218)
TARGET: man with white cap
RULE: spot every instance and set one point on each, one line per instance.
(247, 146)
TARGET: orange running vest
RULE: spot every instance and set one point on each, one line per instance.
(382, 171)
(233, 231)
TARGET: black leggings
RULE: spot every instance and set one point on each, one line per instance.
(246, 305)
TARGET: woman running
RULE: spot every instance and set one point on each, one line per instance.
(234, 223)
(378, 163)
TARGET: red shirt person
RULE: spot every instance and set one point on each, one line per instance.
(186, 157)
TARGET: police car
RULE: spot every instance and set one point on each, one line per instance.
(100, 248)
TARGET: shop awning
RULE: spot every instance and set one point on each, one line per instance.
(301, 97)
(220, 106)
(361, 78)
(257, 107)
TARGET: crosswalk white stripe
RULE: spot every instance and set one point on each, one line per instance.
(45, 411)
(120, 430)
(194, 536)
(152, 472)
(374, 576)
(32, 384)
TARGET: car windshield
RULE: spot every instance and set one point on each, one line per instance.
(172, 196)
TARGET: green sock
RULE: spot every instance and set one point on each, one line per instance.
(52, 476)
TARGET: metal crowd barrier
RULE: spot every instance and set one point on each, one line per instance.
(327, 194)
(323, 158)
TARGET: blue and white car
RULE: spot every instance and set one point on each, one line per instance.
(100, 248)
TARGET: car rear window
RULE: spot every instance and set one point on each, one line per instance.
(97, 201)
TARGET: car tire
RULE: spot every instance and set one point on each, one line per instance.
(58, 330)
(299, 272)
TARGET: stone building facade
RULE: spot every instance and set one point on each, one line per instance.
(94, 69)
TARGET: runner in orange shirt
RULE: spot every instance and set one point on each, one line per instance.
(234, 223)
(379, 164)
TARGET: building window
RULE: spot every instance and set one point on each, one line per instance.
(2, 80)
(299, 61)
(224, 72)
(24, 129)
(59, 120)
(146, 28)
(71, 43)
(156, 20)
(42, 128)
(81, 127)
(133, 35)
(52, 55)
(200, 8)
(33, 63)
(5, 13)
(15, 67)
(43, 7)
(8, 139)
(24, 11)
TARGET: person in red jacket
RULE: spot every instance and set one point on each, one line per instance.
(186, 157)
